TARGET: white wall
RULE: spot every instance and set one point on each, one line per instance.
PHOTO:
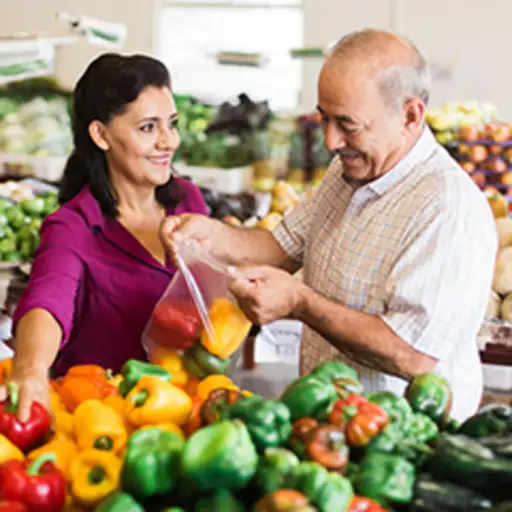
(39, 15)
(469, 37)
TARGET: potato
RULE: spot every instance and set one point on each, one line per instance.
(504, 228)
(493, 307)
(502, 282)
(506, 308)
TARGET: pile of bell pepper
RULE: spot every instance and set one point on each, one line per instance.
(159, 437)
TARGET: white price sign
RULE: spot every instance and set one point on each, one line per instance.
(279, 342)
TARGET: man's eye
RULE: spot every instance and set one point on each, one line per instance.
(173, 124)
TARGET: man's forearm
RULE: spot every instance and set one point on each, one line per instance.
(365, 338)
(253, 246)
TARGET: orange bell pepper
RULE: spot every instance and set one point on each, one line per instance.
(230, 328)
(194, 421)
(191, 385)
(212, 382)
(172, 361)
(96, 374)
(75, 390)
(6, 366)
(62, 447)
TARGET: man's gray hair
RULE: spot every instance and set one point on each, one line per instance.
(398, 82)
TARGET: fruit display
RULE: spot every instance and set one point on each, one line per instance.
(446, 120)
(20, 225)
(161, 436)
(485, 152)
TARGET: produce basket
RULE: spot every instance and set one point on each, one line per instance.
(495, 342)
(44, 168)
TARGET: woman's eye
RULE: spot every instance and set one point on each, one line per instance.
(147, 128)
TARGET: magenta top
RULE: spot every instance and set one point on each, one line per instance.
(98, 281)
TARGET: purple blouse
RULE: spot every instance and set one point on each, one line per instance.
(98, 281)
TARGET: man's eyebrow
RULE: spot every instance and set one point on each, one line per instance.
(343, 118)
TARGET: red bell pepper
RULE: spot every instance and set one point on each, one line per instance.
(362, 504)
(12, 506)
(176, 324)
(38, 484)
(361, 420)
(24, 435)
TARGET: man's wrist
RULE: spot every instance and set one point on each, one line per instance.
(301, 300)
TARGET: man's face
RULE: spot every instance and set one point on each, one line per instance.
(358, 125)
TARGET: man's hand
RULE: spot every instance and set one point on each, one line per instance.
(189, 226)
(266, 294)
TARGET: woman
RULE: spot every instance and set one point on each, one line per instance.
(101, 267)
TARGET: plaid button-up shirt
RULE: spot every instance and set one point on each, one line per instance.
(417, 247)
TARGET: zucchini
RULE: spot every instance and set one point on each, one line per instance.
(433, 496)
(500, 446)
(462, 460)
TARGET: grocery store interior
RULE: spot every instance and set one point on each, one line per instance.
(244, 77)
(252, 64)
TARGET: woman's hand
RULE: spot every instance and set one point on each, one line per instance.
(33, 386)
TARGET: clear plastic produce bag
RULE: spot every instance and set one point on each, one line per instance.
(197, 307)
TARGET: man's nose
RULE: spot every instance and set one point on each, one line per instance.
(333, 137)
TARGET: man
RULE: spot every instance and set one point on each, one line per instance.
(397, 244)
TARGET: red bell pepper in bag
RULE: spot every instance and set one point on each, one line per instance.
(24, 435)
(12, 506)
(38, 484)
(176, 324)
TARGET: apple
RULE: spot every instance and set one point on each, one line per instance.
(490, 190)
(506, 178)
(470, 133)
(501, 133)
(508, 154)
(497, 165)
(495, 150)
(488, 130)
(468, 166)
(478, 153)
(479, 178)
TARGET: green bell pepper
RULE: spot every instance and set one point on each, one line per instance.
(221, 501)
(151, 463)
(221, 455)
(327, 491)
(133, 370)
(308, 396)
(268, 421)
(385, 478)
(274, 467)
(396, 407)
(494, 420)
(431, 395)
(119, 502)
(344, 378)
(202, 363)
(422, 429)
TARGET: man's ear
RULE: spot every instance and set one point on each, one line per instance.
(414, 114)
(97, 132)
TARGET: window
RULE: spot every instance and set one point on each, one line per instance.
(190, 33)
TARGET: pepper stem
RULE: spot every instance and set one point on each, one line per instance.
(12, 389)
(104, 443)
(139, 399)
(96, 475)
(37, 464)
(109, 374)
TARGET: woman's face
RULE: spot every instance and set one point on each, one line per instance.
(139, 144)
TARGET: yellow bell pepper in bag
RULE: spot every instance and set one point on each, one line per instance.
(97, 425)
(153, 401)
(9, 451)
(94, 474)
(230, 327)
(172, 361)
(62, 447)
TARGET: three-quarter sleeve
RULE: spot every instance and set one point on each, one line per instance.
(56, 274)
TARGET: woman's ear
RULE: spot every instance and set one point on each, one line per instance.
(97, 132)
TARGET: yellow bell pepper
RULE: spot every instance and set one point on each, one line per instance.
(94, 474)
(63, 423)
(230, 328)
(55, 401)
(166, 427)
(153, 401)
(172, 361)
(97, 425)
(63, 448)
(212, 382)
(9, 451)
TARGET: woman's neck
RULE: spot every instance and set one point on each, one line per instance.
(136, 202)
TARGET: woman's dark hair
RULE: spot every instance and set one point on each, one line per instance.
(109, 84)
